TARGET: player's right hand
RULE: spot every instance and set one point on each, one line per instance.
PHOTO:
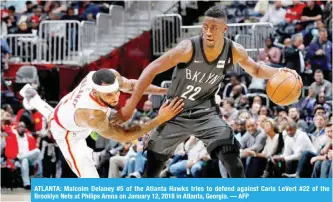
(170, 109)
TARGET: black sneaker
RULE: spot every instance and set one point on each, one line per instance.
(27, 187)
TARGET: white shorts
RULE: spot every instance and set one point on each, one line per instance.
(75, 150)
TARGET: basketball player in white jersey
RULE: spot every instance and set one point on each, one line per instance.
(90, 107)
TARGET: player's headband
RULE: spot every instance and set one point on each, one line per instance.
(107, 88)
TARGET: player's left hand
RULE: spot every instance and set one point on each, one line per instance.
(169, 109)
(285, 69)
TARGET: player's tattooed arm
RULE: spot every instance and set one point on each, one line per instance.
(128, 85)
(255, 69)
(99, 122)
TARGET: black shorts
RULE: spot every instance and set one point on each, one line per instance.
(205, 124)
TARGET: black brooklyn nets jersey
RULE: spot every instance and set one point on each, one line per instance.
(198, 80)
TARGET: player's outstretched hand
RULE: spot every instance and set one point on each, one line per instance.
(170, 109)
(285, 69)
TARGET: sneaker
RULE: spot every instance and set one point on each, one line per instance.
(294, 175)
(27, 187)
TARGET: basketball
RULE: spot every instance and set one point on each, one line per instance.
(284, 88)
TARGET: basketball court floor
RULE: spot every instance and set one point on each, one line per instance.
(18, 194)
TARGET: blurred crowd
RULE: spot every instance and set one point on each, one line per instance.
(276, 141)
(23, 17)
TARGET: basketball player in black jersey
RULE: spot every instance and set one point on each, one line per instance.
(201, 63)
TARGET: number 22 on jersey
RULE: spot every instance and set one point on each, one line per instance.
(191, 92)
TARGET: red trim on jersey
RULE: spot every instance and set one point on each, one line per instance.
(56, 118)
(96, 100)
(71, 154)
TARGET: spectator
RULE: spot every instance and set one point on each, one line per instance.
(260, 8)
(5, 55)
(25, 116)
(117, 163)
(294, 12)
(49, 159)
(320, 99)
(327, 17)
(264, 111)
(113, 148)
(293, 114)
(255, 110)
(4, 29)
(197, 155)
(322, 165)
(318, 111)
(11, 20)
(295, 143)
(29, 8)
(147, 111)
(23, 146)
(270, 55)
(244, 114)
(275, 14)
(38, 12)
(228, 110)
(234, 81)
(311, 13)
(308, 158)
(313, 34)
(241, 129)
(243, 103)
(320, 85)
(261, 160)
(294, 57)
(319, 53)
(23, 28)
(317, 137)
(257, 100)
(70, 15)
(261, 121)
(86, 8)
(287, 42)
(236, 93)
(34, 24)
(140, 159)
(8, 108)
(292, 17)
(253, 140)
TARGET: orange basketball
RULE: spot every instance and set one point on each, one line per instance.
(284, 88)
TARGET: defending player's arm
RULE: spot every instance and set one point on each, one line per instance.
(255, 69)
(182, 53)
(128, 85)
(99, 122)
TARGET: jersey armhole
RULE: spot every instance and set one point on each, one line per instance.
(183, 65)
(229, 59)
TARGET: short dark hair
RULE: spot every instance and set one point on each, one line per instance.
(12, 8)
(105, 76)
(320, 107)
(319, 71)
(216, 12)
(28, 2)
(328, 125)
